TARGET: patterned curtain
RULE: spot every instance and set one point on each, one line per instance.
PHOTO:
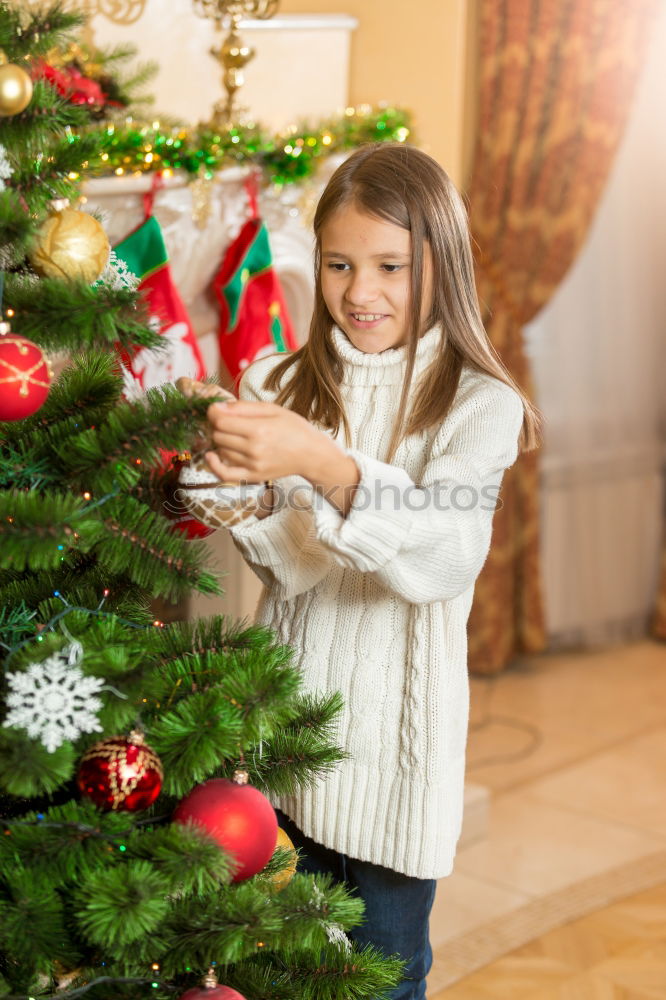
(555, 87)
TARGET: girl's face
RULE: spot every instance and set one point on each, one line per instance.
(365, 278)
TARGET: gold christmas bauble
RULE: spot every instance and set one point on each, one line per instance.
(283, 878)
(15, 90)
(71, 245)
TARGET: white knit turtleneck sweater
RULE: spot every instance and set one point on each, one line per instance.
(376, 605)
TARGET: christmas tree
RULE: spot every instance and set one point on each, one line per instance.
(120, 737)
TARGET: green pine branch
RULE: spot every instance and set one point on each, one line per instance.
(261, 683)
(194, 865)
(21, 472)
(120, 906)
(124, 86)
(83, 584)
(82, 396)
(290, 760)
(72, 316)
(32, 922)
(35, 32)
(46, 176)
(65, 843)
(134, 434)
(16, 620)
(130, 540)
(27, 769)
(37, 532)
(217, 634)
(331, 974)
(47, 113)
(195, 739)
(142, 545)
(17, 228)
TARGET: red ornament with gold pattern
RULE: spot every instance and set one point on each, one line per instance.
(25, 375)
(120, 773)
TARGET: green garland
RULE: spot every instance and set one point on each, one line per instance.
(286, 158)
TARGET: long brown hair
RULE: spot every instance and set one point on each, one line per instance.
(402, 185)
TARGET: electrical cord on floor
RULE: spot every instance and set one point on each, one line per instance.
(488, 718)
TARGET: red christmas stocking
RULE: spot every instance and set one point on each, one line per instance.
(145, 254)
(253, 314)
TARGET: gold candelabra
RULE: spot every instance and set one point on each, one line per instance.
(233, 55)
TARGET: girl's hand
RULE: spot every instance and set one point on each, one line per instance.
(259, 441)
(191, 389)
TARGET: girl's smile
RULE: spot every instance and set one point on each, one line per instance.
(365, 278)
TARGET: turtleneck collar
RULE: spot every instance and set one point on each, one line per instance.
(387, 367)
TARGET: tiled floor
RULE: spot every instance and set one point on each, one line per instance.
(577, 779)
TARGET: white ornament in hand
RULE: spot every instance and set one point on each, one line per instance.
(215, 503)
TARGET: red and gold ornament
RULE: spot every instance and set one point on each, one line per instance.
(210, 989)
(237, 816)
(25, 375)
(173, 506)
(120, 773)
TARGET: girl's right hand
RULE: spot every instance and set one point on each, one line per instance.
(191, 389)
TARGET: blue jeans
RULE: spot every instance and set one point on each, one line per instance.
(397, 907)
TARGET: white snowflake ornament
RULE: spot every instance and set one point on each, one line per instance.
(53, 700)
(116, 274)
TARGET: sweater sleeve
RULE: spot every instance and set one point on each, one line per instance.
(282, 549)
(428, 542)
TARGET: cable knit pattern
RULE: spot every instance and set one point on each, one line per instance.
(376, 604)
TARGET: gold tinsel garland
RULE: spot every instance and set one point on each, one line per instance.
(293, 156)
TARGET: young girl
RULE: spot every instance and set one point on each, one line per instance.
(386, 437)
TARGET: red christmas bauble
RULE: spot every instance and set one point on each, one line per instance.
(119, 773)
(191, 527)
(212, 993)
(25, 376)
(210, 989)
(238, 817)
(172, 506)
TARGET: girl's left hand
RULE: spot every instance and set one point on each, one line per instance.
(259, 441)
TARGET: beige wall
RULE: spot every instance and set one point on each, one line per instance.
(279, 88)
(417, 53)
